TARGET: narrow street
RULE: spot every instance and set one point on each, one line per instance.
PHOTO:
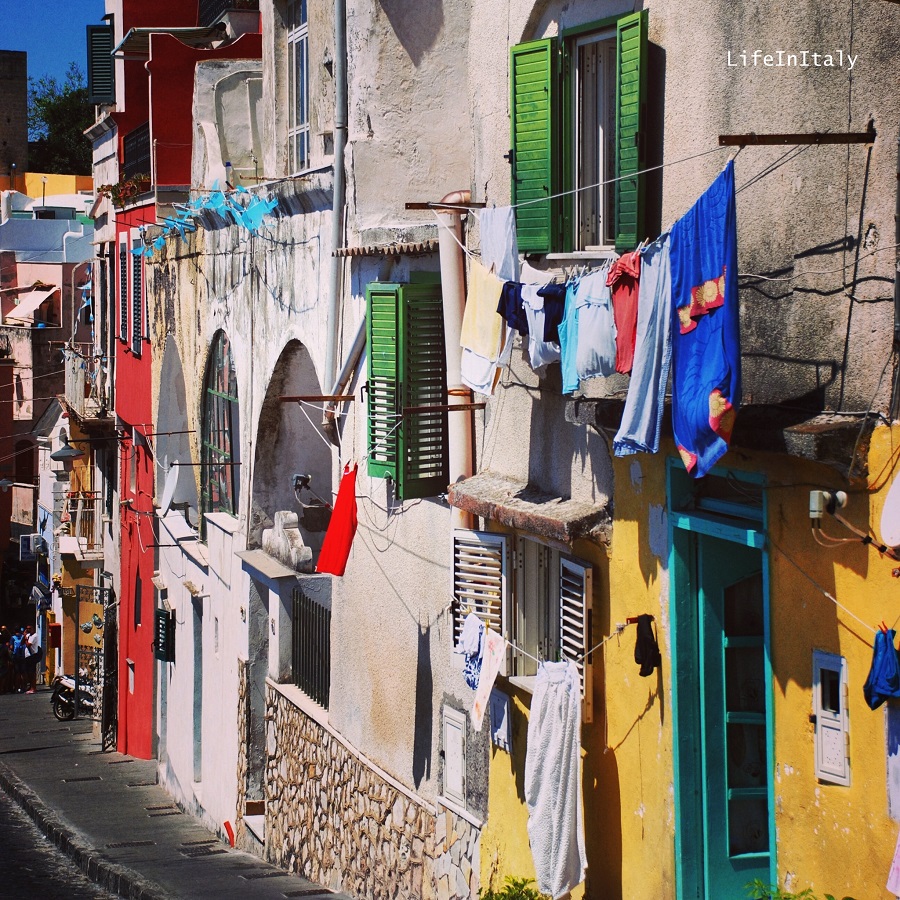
(33, 867)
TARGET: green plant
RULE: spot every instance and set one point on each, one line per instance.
(513, 889)
(125, 190)
(759, 890)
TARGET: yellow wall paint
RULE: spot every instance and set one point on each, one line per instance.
(31, 185)
(834, 839)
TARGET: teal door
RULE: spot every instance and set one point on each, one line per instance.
(723, 753)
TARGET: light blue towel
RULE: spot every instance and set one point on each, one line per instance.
(642, 417)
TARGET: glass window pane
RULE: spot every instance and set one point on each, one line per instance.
(748, 825)
(745, 679)
(744, 608)
(746, 755)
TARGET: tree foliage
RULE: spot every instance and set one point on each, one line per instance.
(58, 114)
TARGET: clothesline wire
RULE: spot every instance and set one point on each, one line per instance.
(849, 265)
(819, 587)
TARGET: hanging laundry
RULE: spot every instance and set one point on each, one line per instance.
(646, 649)
(510, 307)
(553, 779)
(568, 341)
(342, 527)
(642, 417)
(893, 882)
(491, 661)
(499, 246)
(884, 676)
(541, 352)
(471, 646)
(595, 355)
(623, 279)
(482, 327)
(706, 354)
(554, 309)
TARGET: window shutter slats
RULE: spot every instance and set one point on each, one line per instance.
(136, 299)
(101, 72)
(123, 291)
(381, 328)
(630, 98)
(480, 579)
(533, 112)
(575, 605)
(424, 462)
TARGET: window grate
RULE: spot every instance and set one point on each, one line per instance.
(311, 647)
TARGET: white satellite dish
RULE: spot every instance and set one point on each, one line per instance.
(168, 493)
(890, 516)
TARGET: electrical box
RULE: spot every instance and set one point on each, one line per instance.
(164, 636)
(54, 635)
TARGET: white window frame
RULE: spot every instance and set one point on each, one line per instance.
(495, 576)
(603, 162)
(298, 89)
(832, 727)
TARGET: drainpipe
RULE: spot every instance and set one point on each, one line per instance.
(343, 379)
(453, 288)
(339, 190)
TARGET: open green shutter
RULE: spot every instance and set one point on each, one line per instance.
(631, 92)
(422, 369)
(101, 73)
(381, 338)
(534, 109)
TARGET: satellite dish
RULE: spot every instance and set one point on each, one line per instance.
(168, 489)
(890, 516)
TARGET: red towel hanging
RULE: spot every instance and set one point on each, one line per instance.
(341, 528)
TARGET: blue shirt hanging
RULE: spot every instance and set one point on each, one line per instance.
(706, 349)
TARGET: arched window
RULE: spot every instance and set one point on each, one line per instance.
(220, 432)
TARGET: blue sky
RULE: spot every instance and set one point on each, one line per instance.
(51, 31)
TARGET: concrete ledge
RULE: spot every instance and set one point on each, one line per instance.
(521, 506)
(112, 877)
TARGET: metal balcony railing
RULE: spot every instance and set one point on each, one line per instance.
(211, 11)
(136, 152)
(83, 511)
(86, 387)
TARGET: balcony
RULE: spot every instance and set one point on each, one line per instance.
(213, 11)
(82, 527)
(87, 390)
(136, 152)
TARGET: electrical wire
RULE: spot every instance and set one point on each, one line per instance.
(849, 265)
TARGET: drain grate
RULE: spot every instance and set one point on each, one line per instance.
(85, 778)
(121, 844)
(168, 812)
(195, 852)
(308, 892)
(163, 806)
(141, 784)
(118, 762)
(200, 843)
(253, 876)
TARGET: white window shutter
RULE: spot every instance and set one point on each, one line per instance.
(830, 710)
(575, 607)
(480, 580)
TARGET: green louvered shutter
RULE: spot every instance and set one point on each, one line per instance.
(631, 92)
(534, 109)
(381, 339)
(422, 368)
(101, 73)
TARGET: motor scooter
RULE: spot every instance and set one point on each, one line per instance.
(63, 697)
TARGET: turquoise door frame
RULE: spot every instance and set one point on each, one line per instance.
(715, 547)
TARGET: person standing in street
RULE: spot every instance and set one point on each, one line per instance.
(18, 645)
(32, 658)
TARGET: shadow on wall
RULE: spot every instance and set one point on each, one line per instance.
(422, 737)
(416, 24)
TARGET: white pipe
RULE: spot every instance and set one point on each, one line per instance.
(453, 289)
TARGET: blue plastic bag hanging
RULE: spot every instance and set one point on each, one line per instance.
(884, 676)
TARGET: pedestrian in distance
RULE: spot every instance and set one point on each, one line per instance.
(18, 645)
(6, 663)
(32, 658)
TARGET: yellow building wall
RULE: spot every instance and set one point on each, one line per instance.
(32, 185)
(834, 839)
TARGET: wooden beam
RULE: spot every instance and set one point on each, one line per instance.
(814, 137)
(444, 407)
(315, 398)
(430, 204)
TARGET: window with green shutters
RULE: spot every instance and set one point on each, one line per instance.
(101, 73)
(407, 371)
(576, 108)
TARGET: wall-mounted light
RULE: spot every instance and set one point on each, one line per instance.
(67, 454)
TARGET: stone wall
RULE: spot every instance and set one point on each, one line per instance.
(241, 839)
(333, 818)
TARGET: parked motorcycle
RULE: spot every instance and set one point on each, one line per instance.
(63, 697)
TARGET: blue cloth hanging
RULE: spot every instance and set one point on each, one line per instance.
(706, 350)
(884, 676)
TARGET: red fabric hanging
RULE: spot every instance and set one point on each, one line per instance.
(341, 528)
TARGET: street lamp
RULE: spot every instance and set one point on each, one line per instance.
(67, 454)
(43, 190)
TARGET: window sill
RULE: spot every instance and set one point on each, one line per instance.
(223, 521)
(460, 811)
(583, 255)
(523, 682)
